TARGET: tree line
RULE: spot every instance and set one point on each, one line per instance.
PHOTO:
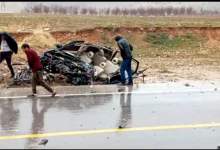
(141, 11)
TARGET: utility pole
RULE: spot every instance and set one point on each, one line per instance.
(3, 7)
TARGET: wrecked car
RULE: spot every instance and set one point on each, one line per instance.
(69, 65)
(105, 60)
(84, 63)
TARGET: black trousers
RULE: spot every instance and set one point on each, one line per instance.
(37, 78)
(7, 56)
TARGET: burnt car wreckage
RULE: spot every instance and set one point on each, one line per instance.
(81, 64)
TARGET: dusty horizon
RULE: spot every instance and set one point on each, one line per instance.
(16, 7)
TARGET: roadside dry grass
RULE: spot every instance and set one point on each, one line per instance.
(23, 22)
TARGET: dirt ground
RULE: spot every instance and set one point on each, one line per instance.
(163, 70)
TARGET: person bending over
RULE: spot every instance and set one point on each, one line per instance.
(126, 54)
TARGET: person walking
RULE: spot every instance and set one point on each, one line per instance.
(37, 73)
(8, 47)
(126, 54)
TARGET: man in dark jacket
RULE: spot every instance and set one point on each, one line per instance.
(8, 46)
(126, 54)
(36, 66)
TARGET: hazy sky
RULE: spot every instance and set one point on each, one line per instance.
(17, 6)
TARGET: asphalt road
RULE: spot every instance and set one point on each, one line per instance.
(133, 117)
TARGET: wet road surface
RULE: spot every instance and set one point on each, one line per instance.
(171, 116)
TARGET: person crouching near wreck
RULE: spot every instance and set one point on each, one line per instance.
(36, 67)
(126, 53)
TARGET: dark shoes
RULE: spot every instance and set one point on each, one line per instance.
(32, 95)
(53, 94)
(35, 95)
(130, 83)
(124, 84)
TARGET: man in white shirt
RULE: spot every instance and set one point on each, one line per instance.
(6, 54)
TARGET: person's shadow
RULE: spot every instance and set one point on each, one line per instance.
(125, 103)
(9, 116)
(38, 121)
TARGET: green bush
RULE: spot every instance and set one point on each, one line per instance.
(163, 40)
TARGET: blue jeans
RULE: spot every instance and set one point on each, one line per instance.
(126, 66)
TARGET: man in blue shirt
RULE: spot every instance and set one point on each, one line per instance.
(126, 54)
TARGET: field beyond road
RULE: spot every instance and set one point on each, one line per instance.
(27, 22)
(172, 48)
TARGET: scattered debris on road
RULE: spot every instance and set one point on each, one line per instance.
(187, 85)
(43, 142)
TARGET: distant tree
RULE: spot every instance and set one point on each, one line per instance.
(107, 11)
(54, 9)
(115, 11)
(169, 10)
(133, 12)
(62, 10)
(182, 11)
(161, 11)
(216, 12)
(142, 11)
(74, 10)
(101, 11)
(84, 11)
(125, 12)
(92, 11)
(202, 11)
(175, 11)
(37, 8)
(189, 11)
(46, 9)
